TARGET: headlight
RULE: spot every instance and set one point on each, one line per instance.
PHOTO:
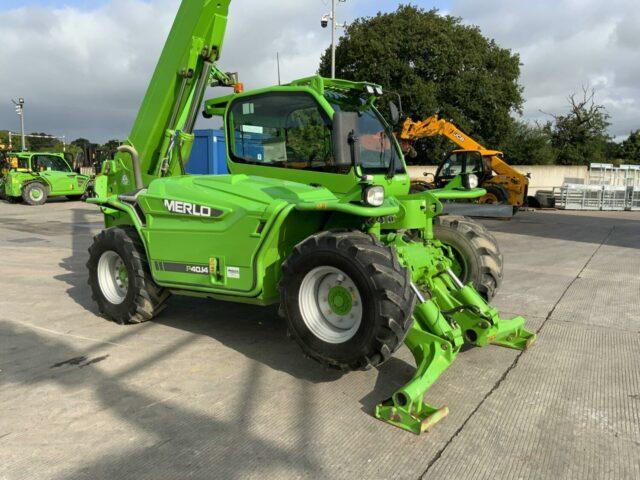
(373, 196)
(470, 181)
(369, 89)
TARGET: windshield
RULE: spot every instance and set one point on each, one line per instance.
(42, 163)
(377, 147)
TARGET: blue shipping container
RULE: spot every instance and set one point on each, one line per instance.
(208, 155)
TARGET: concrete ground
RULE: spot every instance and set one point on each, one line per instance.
(215, 390)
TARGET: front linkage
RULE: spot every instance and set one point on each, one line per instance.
(447, 315)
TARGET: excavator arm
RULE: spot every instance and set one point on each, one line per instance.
(162, 136)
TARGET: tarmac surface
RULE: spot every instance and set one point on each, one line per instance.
(214, 390)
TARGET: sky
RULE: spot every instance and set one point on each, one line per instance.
(83, 66)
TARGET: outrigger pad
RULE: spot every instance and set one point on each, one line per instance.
(417, 421)
(434, 342)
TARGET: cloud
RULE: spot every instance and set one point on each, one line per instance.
(84, 71)
(565, 44)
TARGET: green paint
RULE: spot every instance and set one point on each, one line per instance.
(340, 300)
(50, 169)
(267, 206)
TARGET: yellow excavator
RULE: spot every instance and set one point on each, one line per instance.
(503, 183)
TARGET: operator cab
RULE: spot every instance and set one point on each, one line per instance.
(463, 161)
(293, 130)
(49, 163)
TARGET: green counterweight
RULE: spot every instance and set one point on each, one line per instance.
(315, 215)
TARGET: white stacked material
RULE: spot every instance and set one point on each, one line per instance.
(634, 198)
(614, 197)
(577, 196)
(631, 175)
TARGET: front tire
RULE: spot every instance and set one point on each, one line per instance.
(496, 195)
(35, 193)
(347, 300)
(120, 278)
(476, 252)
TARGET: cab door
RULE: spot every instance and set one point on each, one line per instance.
(58, 174)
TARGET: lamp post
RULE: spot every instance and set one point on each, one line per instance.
(324, 22)
(19, 104)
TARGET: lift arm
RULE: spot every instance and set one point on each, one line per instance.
(162, 136)
(434, 126)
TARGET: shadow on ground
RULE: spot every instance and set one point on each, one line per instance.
(177, 442)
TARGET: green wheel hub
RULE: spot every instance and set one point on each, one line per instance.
(340, 300)
(35, 193)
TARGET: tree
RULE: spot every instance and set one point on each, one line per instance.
(41, 142)
(81, 143)
(580, 136)
(437, 64)
(529, 145)
(629, 150)
(109, 148)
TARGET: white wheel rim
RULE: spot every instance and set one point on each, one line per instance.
(112, 277)
(326, 310)
(35, 194)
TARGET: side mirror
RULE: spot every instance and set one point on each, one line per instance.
(395, 113)
(345, 148)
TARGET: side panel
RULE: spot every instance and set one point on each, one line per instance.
(206, 240)
(61, 183)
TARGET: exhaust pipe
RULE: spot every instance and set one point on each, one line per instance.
(137, 173)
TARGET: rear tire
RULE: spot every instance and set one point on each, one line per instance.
(35, 193)
(120, 278)
(476, 252)
(359, 271)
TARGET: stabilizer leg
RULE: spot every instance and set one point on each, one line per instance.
(433, 354)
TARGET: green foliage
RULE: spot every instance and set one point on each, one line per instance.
(81, 143)
(437, 64)
(529, 145)
(110, 147)
(37, 144)
(629, 149)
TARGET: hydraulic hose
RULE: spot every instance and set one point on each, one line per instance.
(137, 173)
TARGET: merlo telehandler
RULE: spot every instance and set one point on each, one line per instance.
(315, 215)
(33, 177)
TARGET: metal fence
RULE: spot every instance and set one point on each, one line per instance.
(606, 188)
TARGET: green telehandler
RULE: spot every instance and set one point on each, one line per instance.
(315, 215)
(33, 177)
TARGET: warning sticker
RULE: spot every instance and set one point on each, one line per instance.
(233, 272)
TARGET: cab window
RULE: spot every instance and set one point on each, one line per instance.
(461, 162)
(43, 163)
(282, 130)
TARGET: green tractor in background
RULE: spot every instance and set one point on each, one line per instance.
(33, 177)
(316, 216)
